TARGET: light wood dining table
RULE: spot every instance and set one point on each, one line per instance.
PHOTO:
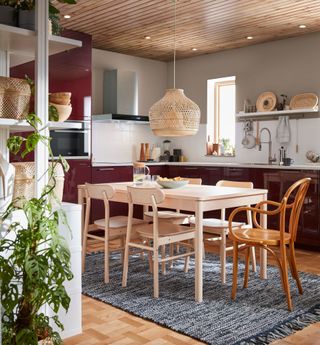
(198, 199)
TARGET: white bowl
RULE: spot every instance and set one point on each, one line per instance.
(172, 184)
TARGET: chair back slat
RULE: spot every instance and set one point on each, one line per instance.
(99, 191)
(145, 196)
(236, 184)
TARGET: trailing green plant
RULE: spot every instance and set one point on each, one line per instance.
(54, 13)
(34, 257)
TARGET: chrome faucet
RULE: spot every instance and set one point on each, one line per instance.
(269, 142)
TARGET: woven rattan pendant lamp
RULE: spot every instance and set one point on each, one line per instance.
(175, 115)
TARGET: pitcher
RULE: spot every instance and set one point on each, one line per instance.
(140, 171)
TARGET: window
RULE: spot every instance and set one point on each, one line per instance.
(221, 113)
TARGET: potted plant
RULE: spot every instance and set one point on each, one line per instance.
(34, 258)
(27, 14)
(8, 12)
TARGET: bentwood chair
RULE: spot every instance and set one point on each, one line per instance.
(113, 227)
(257, 236)
(158, 234)
(216, 230)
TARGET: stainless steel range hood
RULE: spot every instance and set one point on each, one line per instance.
(120, 97)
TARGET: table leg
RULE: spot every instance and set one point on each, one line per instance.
(198, 253)
(81, 201)
(263, 252)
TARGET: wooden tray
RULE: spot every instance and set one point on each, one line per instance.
(267, 101)
(304, 101)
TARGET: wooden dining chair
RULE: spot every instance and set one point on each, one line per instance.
(157, 233)
(213, 227)
(174, 215)
(113, 227)
(257, 236)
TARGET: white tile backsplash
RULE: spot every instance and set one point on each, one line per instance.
(120, 142)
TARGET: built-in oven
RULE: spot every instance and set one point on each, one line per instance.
(73, 141)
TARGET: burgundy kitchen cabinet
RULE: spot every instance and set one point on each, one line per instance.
(108, 174)
(79, 173)
(160, 170)
(68, 71)
(188, 171)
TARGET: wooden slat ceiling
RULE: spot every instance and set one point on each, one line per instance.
(208, 25)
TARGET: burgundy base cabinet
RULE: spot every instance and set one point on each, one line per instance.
(105, 175)
(79, 173)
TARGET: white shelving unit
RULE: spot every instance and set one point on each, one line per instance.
(277, 113)
(21, 43)
(18, 46)
(22, 126)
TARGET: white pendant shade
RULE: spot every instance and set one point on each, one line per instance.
(174, 115)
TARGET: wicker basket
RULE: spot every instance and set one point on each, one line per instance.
(24, 181)
(14, 98)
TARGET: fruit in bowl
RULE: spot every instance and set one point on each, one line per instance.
(171, 183)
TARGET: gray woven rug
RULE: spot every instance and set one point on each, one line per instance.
(259, 315)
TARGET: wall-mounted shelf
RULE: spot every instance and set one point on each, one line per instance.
(272, 115)
(20, 43)
(23, 126)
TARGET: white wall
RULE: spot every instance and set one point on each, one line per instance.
(288, 66)
(151, 74)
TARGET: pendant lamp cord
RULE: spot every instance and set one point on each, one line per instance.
(174, 44)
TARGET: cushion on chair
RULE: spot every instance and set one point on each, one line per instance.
(117, 222)
(165, 229)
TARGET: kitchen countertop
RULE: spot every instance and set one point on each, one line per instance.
(302, 166)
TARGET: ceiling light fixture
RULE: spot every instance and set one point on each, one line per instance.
(147, 37)
(67, 16)
(249, 37)
(174, 115)
(194, 49)
(302, 26)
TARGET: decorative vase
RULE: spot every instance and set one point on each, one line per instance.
(8, 15)
(7, 174)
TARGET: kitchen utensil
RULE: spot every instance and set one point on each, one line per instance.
(304, 101)
(266, 101)
(172, 184)
(142, 156)
(147, 151)
(249, 141)
(257, 131)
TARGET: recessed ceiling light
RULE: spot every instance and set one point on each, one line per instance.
(147, 37)
(194, 49)
(302, 26)
(67, 16)
(249, 37)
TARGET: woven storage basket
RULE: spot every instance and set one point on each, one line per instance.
(14, 98)
(24, 181)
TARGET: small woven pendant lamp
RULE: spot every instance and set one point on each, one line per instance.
(175, 114)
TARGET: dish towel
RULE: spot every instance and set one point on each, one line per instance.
(283, 130)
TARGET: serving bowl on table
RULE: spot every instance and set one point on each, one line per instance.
(171, 184)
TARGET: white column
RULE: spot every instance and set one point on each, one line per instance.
(41, 90)
(4, 72)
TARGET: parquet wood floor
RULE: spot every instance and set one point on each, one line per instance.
(104, 324)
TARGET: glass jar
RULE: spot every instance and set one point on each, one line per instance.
(140, 171)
